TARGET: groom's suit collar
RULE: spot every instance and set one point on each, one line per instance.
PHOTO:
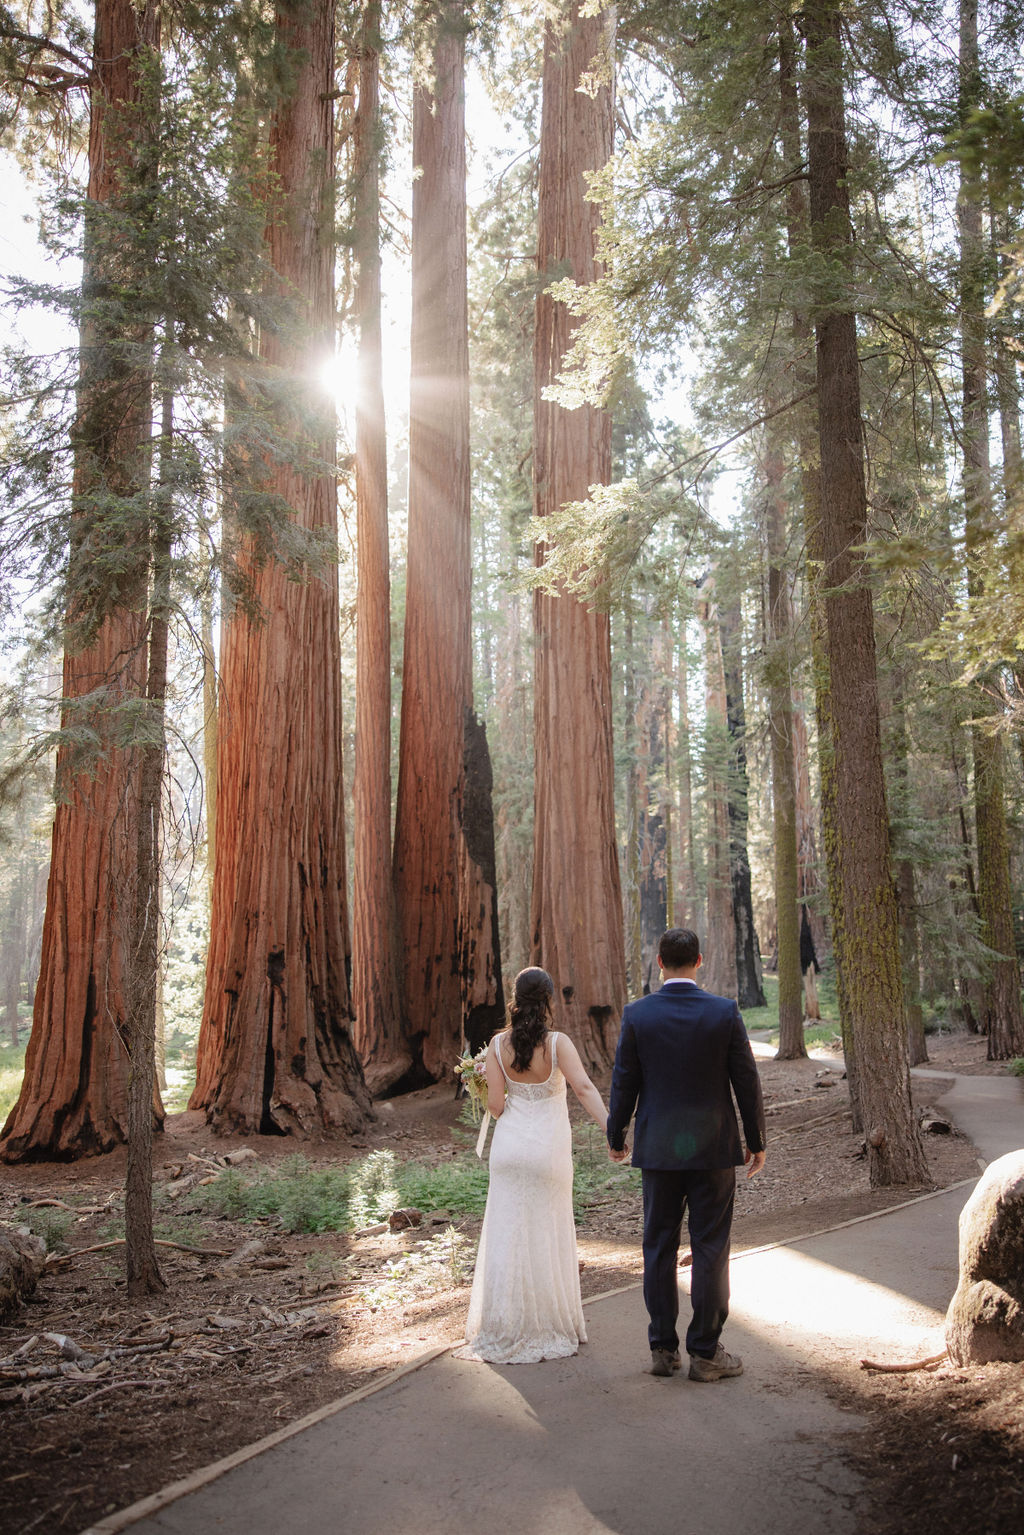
(678, 980)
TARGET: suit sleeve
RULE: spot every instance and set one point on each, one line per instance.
(746, 1084)
(625, 1085)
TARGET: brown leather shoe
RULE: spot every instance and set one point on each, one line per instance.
(665, 1361)
(721, 1367)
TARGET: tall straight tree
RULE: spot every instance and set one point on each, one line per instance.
(448, 943)
(749, 991)
(378, 1019)
(864, 912)
(719, 936)
(275, 1052)
(74, 1096)
(778, 666)
(1001, 1017)
(576, 904)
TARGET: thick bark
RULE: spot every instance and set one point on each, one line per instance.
(779, 643)
(865, 921)
(749, 991)
(1002, 1018)
(719, 937)
(377, 1029)
(449, 969)
(74, 1096)
(209, 738)
(576, 906)
(275, 1052)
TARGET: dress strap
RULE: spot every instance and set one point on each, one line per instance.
(554, 1051)
(501, 1059)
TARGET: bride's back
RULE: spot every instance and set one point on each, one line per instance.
(540, 1062)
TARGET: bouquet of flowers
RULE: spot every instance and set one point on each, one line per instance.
(471, 1072)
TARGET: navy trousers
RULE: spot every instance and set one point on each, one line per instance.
(706, 1196)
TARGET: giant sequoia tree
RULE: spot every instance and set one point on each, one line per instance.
(275, 1051)
(444, 889)
(378, 1020)
(576, 907)
(74, 1095)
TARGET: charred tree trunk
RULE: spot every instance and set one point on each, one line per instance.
(576, 906)
(749, 990)
(718, 974)
(74, 1096)
(1002, 1018)
(275, 1052)
(444, 905)
(779, 628)
(483, 1003)
(865, 921)
(377, 1029)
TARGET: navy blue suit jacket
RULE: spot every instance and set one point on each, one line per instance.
(680, 1052)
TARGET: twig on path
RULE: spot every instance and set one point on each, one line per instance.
(810, 1124)
(116, 1386)
(98, 1247)
(904, 1369)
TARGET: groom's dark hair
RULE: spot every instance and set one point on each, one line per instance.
(679, 948)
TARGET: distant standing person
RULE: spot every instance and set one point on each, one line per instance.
(525, 1303)
(680, 1052)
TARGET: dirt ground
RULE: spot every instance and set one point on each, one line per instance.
(104, 1399)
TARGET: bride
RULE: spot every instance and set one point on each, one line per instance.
(525, 1304)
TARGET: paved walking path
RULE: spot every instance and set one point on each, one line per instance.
(591, 1444)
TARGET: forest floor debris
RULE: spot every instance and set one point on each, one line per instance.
(103, 1400)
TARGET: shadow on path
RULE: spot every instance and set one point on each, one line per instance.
(593, 1444)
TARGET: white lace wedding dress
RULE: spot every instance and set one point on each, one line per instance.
(525, 1304)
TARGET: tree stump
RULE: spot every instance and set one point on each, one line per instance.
(21, 1262)
(985, 1320)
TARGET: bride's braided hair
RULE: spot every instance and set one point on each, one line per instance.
(529, 1014)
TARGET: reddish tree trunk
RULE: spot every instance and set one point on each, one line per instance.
(864, 914)
(378, 1023)
(445, 923)
(275, 1052)
(73, 1099)
(576, 904)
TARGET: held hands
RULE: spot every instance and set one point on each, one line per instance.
(754, 1161)
(618, 1156)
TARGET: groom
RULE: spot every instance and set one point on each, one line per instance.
(680, 1051)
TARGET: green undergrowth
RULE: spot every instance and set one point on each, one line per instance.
(1016, 1066)
(12, 1069)
(815, 1035)
(302, 1198)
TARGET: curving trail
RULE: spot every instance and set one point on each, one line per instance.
(591, 1444)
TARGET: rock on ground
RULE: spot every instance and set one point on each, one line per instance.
(22, 1258)
(985, 1320)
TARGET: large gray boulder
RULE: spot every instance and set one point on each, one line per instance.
(22, 1258)
(985, 1320)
